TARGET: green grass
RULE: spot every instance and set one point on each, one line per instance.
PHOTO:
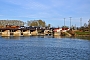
(82, 33)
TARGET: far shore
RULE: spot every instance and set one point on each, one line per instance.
(82, 35)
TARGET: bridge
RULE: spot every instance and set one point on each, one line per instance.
(24, 31)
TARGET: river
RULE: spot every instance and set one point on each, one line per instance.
(44, 48)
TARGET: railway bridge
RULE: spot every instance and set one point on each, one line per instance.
(23, 31)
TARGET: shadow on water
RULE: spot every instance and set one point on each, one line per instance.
(11, 38)
(29, 37)
(83, 37)
(15, 38)
(58, 37)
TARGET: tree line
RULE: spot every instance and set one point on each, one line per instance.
(39, 23)
(11, 22)
(85, 27)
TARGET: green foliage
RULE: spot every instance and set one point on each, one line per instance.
(36, 23)
(86, 27)
(82, 33)
(65, 27)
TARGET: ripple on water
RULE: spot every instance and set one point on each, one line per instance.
(44, 49)
(43, 53)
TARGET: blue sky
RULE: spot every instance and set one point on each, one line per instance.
(51, 11)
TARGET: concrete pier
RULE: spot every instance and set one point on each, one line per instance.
(57, 34)
(17, 33)
(26, 33)
(5, 33)
(34, 32)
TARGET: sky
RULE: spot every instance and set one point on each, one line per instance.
(51, 11)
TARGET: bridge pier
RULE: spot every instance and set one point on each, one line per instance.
(56, 33)
(26, 33)
(17, 33)
(5, 33)
(34, 32)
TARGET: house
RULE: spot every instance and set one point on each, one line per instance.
(57, 31)
(64, 29)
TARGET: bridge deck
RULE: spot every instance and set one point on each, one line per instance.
(19, 29)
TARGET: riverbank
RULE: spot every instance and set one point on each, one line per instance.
(83, 37)
(80, 33)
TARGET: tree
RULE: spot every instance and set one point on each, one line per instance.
(85, 25)
(49, 25)
(40, 23)
(65, 27)
(82, 28)
(11, 22)
(89, 25)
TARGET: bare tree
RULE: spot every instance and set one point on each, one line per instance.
(89, 25)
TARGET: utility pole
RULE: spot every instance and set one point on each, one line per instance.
(75, 26)
(80, 22)
(64, 23)
(70, 22)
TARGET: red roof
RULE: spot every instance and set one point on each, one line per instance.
(56, 29)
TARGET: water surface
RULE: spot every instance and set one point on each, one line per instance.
(44, 48)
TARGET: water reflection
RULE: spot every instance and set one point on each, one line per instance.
(6, 37)
(57, 37)
(46, 36)
(16, 38)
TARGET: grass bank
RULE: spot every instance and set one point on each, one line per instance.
(79, 33)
